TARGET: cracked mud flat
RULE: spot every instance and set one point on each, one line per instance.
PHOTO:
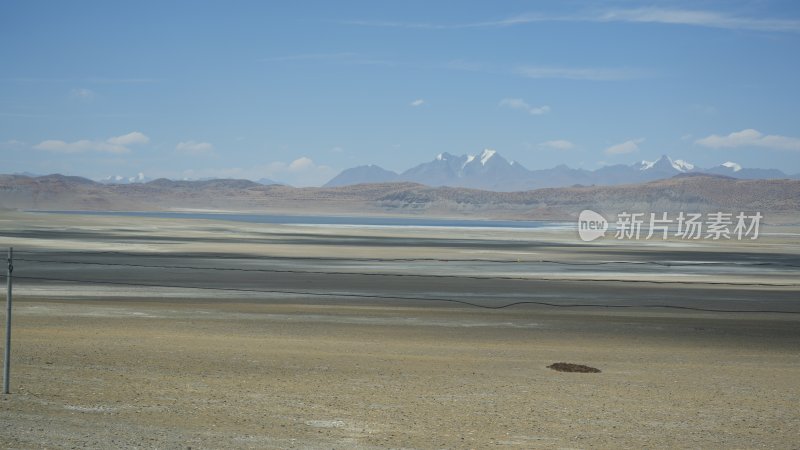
(106, 366)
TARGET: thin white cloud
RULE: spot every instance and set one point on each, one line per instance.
(12, 144)
(216, 172)
(418, 102)
(96, 80)
(580, 73)
(666, 16)
(707, 110)
(505, 22)
(527, 71)
(539, 110)
(116, 144)
(522, 105)
(552, 72)
(130, 139)
(710, 19)
(629, 146)
(313, 57)
(84, 145)
(393, 24)
(24, 115)
(106, 80)
(83, 94)
(750, 138)
(468, 66)
(558, 144)
(301, 164)
(340, 57)
(194, 148)
(302, 171)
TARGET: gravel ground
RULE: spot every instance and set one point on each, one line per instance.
(117, 366)
(184, 374)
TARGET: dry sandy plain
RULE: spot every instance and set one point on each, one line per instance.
(291, 360)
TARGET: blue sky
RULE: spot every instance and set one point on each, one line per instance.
(296, 91)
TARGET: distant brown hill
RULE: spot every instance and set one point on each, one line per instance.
(695, 193)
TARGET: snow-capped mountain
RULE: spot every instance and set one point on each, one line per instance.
(666, 164)
(119, 179)
(441, 171)
(663, 167)
(735, 170)
(489, 170)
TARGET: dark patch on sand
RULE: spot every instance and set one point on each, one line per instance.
(570, 367)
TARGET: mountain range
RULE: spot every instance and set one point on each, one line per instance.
(684, 192)
(119, 179)
(491, 171)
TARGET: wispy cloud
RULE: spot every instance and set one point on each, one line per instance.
(313, 57)
(750, 138)
(194, 148)
(629, 146)
(23, 115)
(302, 171)
(36, 80)
(580, 73)
(336, 57)
(96, 80)
(527, 71)
(503, 22)
(129, 139)
(111, 80)
(396, 24)
(116, 144)
(12, 144)
(82, 94)
(700, 18)
(468, 66)
(558, 144)
(417, 102)
(688, 17)
(522, 105)
(707, 110)
(552, 72)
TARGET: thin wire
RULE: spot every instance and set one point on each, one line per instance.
(472, 277)
(394, 297)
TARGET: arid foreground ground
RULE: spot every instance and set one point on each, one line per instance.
(276, 365)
